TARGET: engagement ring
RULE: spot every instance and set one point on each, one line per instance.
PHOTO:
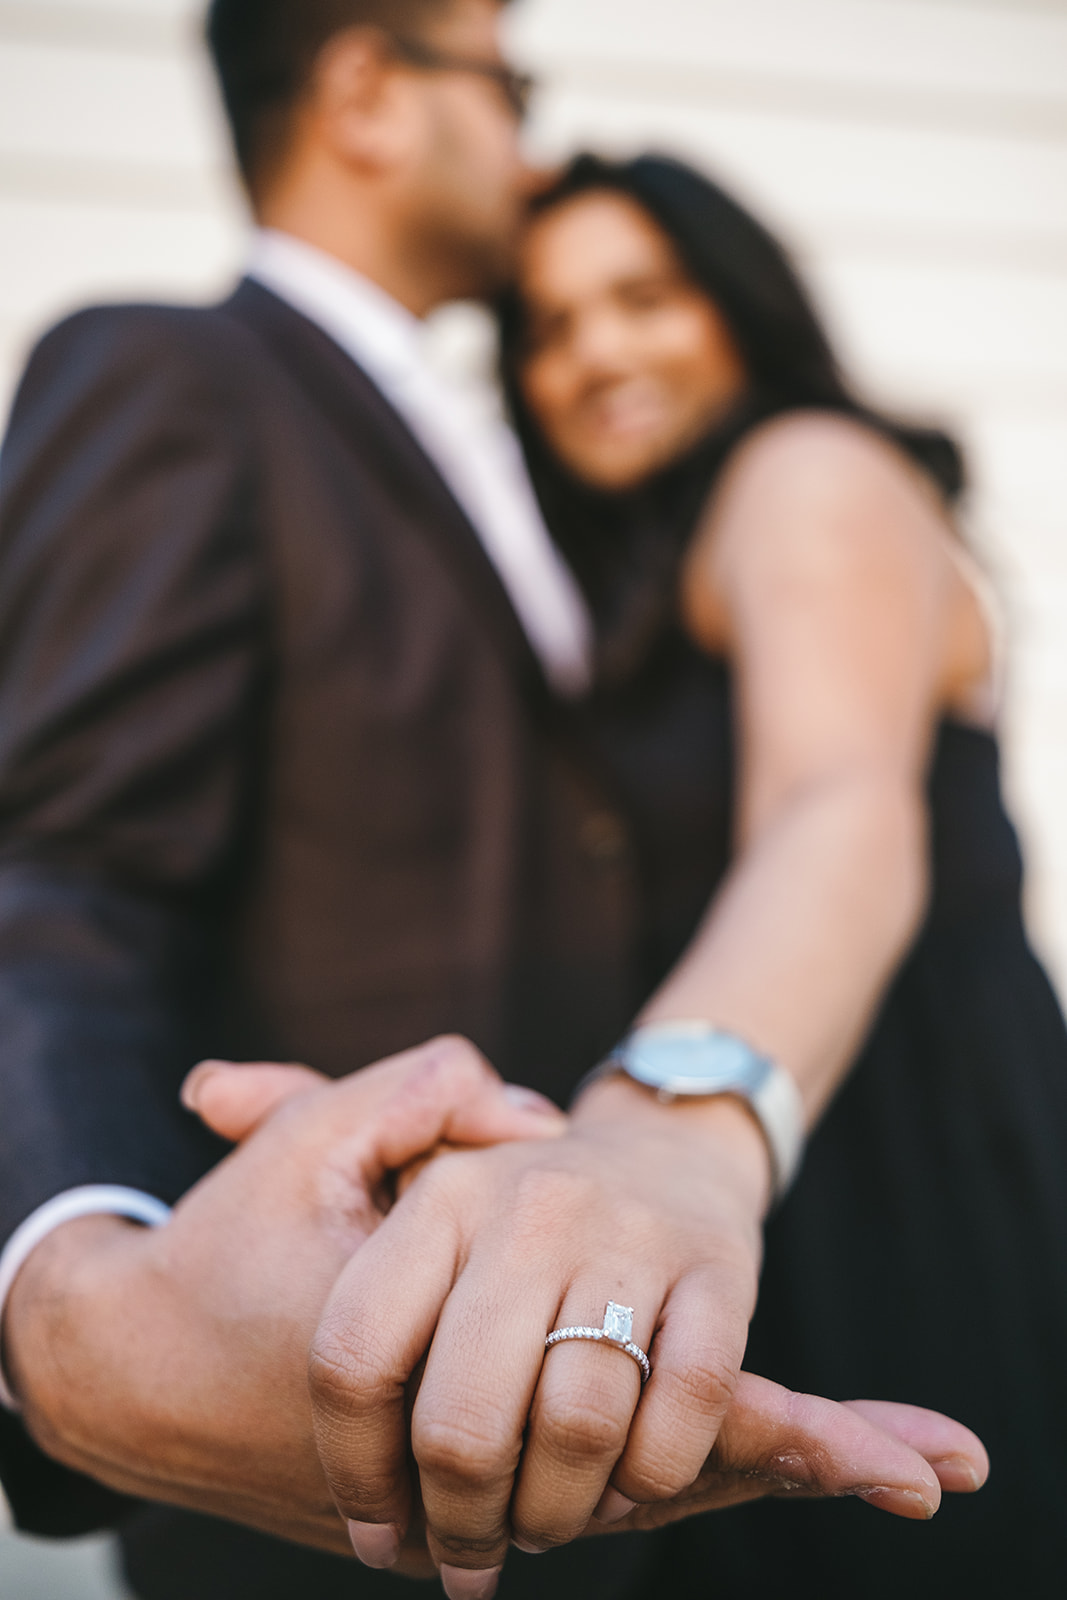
(617, 1329)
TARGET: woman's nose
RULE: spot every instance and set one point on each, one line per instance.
(600, 344)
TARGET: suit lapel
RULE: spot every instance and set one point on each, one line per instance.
(363, 417)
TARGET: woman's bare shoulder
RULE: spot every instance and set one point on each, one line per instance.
(811, 482)
(819, 499)
(826, 458)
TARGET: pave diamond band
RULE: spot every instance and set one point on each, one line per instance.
(618, 1326)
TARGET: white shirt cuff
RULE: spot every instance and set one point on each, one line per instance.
(94, 1200)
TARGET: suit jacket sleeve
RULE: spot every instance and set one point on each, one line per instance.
(132, 644)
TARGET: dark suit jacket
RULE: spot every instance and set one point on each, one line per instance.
(279, 776)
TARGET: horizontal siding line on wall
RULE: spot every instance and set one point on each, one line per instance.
(934, 396)
(954, 246)
(1047, 8)
(931, 49)
(51, 179)
(95, 28)
(1036, 117)
(47, 181)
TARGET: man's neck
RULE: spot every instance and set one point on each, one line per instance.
(362, 240)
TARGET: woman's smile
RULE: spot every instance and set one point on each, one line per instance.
(628, 362)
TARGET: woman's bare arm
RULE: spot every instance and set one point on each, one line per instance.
(824, 571)
(826, 568)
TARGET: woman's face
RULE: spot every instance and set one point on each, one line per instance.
(627, 363)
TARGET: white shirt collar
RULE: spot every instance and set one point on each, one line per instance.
(478, 457)
(376, 331)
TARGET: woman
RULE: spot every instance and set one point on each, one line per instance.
(794, 641)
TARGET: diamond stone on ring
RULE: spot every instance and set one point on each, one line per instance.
(618, 1326)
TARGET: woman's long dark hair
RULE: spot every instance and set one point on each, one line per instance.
(626, 548)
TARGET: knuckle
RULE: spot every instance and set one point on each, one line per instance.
(294, 1119)
(463, 1451)
(346, 1375)
(658, 1477)
(447, 1186)
(706, 1386)
(490, 1546)
(581, 1428)
(452, 1053)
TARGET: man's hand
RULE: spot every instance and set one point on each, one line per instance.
(777, 1443)
(486, 1253)
(172, 1364)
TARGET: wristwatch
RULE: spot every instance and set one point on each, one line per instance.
(683, 1059)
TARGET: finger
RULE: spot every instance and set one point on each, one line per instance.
(504, 1111)
(799, 1443)
(451, 1095)
(470, 1414)
(775, 1442)
(233, 1100)
(376, 1327)
(581, 1415)
(956, 1454)
(445, 1092)
(696, 1366)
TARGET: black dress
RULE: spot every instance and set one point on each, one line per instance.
(921, 1256)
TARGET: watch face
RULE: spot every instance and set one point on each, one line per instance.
(692, 1063)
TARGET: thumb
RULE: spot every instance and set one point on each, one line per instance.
(447, 1094)
(234, 1100)
(886, 1454)
(956, 1454)
(499, 1112)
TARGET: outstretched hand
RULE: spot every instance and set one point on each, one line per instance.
(767, 1441)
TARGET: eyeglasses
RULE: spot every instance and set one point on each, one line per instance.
(518, 87)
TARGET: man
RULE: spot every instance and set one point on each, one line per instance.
(288, 769)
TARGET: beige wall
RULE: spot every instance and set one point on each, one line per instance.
(914, 154)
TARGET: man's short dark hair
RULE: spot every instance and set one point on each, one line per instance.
(265, 50)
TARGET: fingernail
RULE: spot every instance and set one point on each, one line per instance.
(377, 1544)
(190, 1090)
(528, 1549)
(461, 1584)
(957, 1475)
(902, 1502)
(613, 1506)
(524, 1099)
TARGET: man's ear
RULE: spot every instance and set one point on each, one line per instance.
(361, 107)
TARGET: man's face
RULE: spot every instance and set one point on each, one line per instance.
(467, 183)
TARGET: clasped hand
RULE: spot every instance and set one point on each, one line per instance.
(431, 1349)
(176, 1364)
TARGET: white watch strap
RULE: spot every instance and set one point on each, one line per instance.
(780, 1110)
(93, 1200)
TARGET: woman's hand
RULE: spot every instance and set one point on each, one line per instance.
(771, 1441)
(658, 1208)
(652, 1206)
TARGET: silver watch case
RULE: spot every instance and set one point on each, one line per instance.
(686, 1059)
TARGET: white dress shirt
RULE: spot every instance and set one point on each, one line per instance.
(479, 458)
(471, 445)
